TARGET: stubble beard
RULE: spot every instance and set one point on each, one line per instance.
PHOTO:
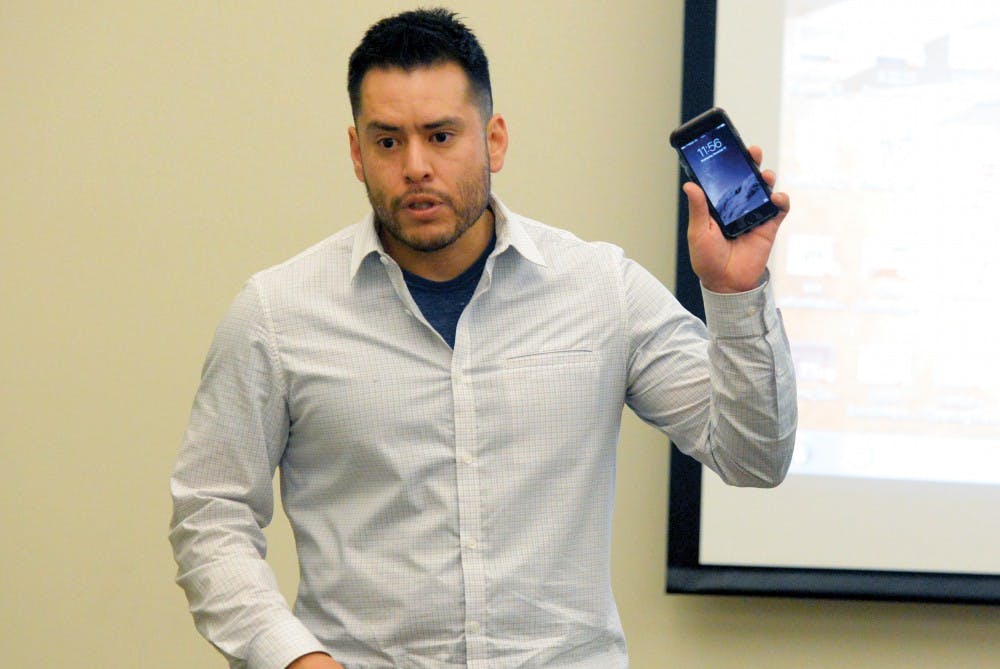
(472, 200)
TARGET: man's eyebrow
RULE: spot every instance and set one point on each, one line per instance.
(446, 122)
(378, 126)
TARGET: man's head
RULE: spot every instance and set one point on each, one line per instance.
(424, 140)
(421, 38)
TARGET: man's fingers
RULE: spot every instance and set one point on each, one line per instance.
(782, 201)
(697, 205)
(694, 192)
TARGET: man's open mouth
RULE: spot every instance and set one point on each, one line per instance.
(421, 202)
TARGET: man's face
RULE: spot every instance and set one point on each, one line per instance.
(425, 155)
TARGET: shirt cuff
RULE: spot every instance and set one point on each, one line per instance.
(281, 644)
(734, 315)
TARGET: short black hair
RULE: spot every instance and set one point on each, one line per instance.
(421, 38)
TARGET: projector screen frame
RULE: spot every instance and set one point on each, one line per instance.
(685, 573)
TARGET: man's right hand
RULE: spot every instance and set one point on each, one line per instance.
(315, 661)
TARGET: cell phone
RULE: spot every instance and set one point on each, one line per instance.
(714, 157)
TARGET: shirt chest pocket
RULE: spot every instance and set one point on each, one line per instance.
(550, 394)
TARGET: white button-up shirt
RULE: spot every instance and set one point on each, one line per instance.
(452, 507)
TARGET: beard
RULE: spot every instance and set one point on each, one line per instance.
(467, 206)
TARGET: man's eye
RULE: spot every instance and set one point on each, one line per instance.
(440, 137)
(387, 142)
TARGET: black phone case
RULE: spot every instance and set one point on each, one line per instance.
(695, 128)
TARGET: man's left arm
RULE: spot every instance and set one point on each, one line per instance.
(725, 394)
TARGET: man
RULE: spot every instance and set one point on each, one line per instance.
(441, 385)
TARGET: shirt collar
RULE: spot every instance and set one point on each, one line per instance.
(510, 232)
(366, 243)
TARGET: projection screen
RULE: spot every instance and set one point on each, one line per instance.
(882, 120)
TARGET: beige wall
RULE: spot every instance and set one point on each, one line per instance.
(154, 154)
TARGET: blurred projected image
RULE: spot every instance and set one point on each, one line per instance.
(889, 144)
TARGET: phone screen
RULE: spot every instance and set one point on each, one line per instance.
(722, 170)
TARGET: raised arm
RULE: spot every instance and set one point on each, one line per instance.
(724, 393)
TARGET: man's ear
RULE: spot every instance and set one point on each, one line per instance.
(496, 141)
(352, 137)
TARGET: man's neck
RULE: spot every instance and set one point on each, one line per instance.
(447, 263)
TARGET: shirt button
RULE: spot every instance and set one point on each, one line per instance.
(466, 458)
(474, 627)
(471, 543)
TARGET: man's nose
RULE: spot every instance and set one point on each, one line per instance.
(417, 166)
